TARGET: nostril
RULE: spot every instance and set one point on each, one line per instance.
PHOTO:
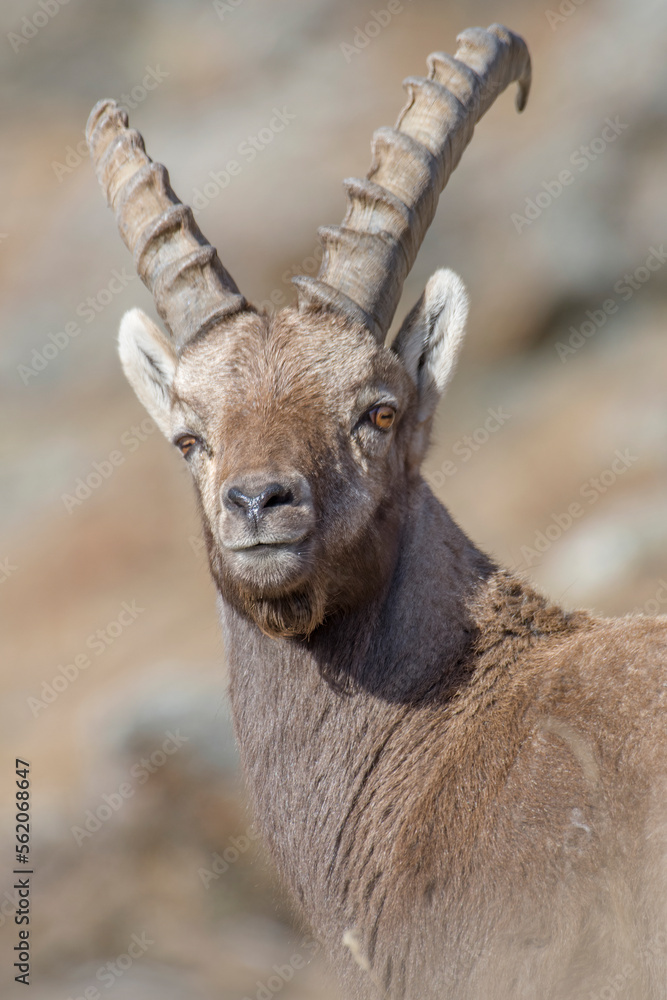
(239, 499)
(273, 498)
(253, 501)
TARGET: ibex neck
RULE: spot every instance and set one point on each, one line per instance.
(398, 645)
(299, 705)
(331, 728)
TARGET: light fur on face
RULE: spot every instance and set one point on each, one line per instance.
(431, 338)
(149, 362)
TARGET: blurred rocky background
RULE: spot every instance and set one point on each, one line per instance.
(550, 448)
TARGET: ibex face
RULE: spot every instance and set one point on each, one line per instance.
(303, 436)
(304, 432)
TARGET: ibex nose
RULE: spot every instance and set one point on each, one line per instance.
(254, 497)
(253, 502)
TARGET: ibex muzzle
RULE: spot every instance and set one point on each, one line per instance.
(265, 526)
(462, 785)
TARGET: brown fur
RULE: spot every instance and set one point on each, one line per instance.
(461, 785)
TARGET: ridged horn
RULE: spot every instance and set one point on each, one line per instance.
(368, 257)
(191, 288)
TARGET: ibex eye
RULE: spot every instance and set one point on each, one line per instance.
(186, 443)
(382, 416)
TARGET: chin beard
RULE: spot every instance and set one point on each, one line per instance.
(297, 612)
(292, 614)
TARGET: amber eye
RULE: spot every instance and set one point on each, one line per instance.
(186, 443)
(382, 416)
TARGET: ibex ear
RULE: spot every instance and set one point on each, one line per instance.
(149, 362)
(429, 341)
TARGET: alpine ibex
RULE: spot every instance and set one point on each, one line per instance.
(461, 784)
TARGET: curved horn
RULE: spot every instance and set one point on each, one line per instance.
(191, 288)
(368, 257)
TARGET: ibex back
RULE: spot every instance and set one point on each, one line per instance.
(461, 785)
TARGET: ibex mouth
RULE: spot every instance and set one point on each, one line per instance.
(266, 546)
(269, 566)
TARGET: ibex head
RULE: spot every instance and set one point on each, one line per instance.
(303, 431)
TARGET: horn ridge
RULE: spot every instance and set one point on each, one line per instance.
(191, 288)
(411, 164)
